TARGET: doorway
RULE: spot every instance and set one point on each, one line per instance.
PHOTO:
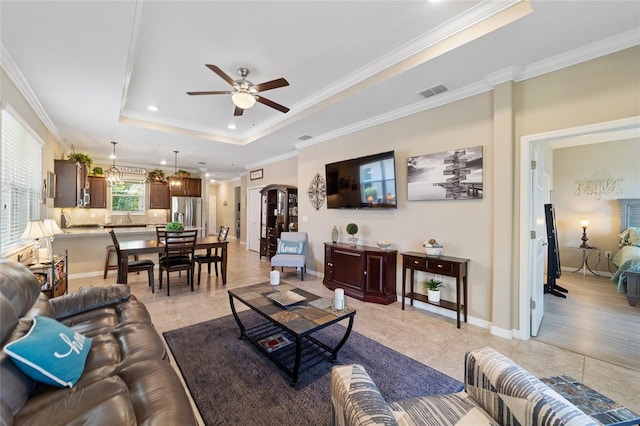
(531, 146)
(253, 220)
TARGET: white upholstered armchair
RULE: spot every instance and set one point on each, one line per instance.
(291, 252)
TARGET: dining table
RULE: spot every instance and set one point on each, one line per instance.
(133, 247)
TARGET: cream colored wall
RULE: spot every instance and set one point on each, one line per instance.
(619, 159)
(284, 172)
(463, 226)
(600, 90)
(225, 193)
(12, 98)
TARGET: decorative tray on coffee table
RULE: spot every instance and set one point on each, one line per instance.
(286, 298)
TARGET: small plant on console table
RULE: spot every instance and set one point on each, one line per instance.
(433, 287)
(352, 229)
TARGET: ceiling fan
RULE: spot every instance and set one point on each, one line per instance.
(245, 93)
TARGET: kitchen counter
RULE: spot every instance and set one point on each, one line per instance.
(104, 229)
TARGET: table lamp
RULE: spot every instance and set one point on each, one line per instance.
(52, 229)
(584, 223)
(35, 230)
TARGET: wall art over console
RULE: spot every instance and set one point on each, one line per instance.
(448, 175)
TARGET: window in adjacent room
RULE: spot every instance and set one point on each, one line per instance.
(21, 179)
(128, 197)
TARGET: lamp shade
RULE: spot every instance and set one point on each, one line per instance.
(243, 99)
(51, 227)
(584, 223)
(34, 230)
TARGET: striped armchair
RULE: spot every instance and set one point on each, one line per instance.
(497, 392)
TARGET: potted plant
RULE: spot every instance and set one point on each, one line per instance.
(156, 175)
(80, 158)
(433, 289)
(174, 226)
(352, 229)
(97, 171)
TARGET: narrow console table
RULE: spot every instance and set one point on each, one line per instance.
(443, 265)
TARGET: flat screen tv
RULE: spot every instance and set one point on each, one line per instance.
(362, 183)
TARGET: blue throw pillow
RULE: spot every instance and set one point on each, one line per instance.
(50, 353)
(291, 247)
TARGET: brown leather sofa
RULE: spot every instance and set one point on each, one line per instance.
(127, 379)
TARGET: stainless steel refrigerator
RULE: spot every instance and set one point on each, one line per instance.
(187, 210)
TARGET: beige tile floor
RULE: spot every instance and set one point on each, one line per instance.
(429, 338)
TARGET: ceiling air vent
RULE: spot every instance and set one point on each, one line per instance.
(435, 90)
(304, 137)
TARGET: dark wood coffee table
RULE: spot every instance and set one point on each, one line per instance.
(286, 335)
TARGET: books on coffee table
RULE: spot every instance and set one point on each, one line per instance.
(274, 342)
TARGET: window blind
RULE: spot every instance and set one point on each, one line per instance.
(21, 179)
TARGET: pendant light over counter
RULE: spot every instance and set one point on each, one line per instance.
(113, 175)
(175, 180)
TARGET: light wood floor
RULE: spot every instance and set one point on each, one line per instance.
(594, 320)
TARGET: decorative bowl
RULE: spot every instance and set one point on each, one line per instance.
(383, 244)
(433, 251)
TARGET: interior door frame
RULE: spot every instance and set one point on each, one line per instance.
(625, 128)
(250, 230)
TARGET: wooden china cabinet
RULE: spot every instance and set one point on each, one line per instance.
(279, 213)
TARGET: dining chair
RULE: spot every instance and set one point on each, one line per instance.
(179, 249)
(209, 257)
(136, 265)
(291, 252)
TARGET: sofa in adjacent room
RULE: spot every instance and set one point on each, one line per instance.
(126, 378)
(496, 392)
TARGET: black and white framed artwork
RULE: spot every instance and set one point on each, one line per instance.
(447, 175)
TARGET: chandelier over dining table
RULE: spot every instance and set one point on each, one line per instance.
(113, 175)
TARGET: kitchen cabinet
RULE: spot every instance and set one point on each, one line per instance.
(72, 184)
(159, 196)
(97, 192)
(279, 204)
(191, 187)
(365, 273)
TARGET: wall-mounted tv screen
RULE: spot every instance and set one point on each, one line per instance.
(362, 183)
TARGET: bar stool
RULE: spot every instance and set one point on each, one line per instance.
(107, 267)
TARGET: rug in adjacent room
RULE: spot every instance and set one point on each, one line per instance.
(233, 383)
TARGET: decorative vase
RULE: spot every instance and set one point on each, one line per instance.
(434, 296)
(353, 241)
(334, 235)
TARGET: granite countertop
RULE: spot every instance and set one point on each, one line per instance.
(104, 229)
(91, 230)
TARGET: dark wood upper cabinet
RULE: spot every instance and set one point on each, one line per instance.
(97, 192)
(191, 187)
(71, 184)
(159, 196)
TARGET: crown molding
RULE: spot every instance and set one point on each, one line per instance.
(434, 102)
(586, 53)
(25, 89)
(285, 156)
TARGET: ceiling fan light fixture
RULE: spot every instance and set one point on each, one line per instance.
(243, 99)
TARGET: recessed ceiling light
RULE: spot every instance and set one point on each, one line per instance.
(153, 108)
(207, 174)
(163, 162)
(212, 181)
(232, 126)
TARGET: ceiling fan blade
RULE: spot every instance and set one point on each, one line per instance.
(273, 84)
(221, 73)
(272, 104)
(210, 93)
(238, 111)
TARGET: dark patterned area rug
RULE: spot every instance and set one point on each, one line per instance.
(233, 383)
